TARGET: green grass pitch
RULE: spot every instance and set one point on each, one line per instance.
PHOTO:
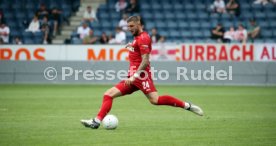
(50, 115)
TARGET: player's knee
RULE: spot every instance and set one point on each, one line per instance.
(109, 93)
(153, 101)
(112, 92)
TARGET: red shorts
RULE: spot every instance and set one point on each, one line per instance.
(146, 86)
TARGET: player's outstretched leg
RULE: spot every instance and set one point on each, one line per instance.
(172, 101)
(108, 97)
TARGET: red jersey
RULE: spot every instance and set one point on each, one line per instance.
(141, 45)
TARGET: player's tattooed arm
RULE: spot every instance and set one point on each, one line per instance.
(142, 66)
(144, 63)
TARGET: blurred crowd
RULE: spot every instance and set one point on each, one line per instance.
(47, 22)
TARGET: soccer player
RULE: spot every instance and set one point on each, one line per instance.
(139, 78)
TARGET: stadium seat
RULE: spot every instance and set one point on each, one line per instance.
(203, 16)
(76, 41)
(177, 7)
(187, 40)
(245, 6)
(226, 16)
(227, 24)
(150, 25)
(103, 8)
(189, 7)
(206, 25)
(266, 33)
(96, 25)
(183, 24)
(260, 15)
(200, 6)
(194, 25)
(106, 24)
(14, 33)
(214, 16)
(97, 32)
(271, 16)
(9, 15)
(74, 34)
(161, 24)
(27, 35)
(156, 6)
(270, 40)
(28, 41)
(146, 7)
(210, 41)
(103, 16)
(272, 24)
(170, 16)
(180, 15)
(174, 33)
(197, 34)
(257, 7)
(116, 16)
(167, 7)
(192, 16)
(172, 25)
(147, 15)
(186, 34)
(274, 33)
(259, 41)
(199, 40)
(158, 16)
(164, 33)
(264, 24)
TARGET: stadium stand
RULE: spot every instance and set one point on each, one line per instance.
(19, 13)
(177, 20)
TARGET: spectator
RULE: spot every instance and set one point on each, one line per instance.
(233, 7)
(1, 41)
(4, 33)
(162, 39)
(217, 33)
(42, 11)
(56, 17)
(34, 25)
(253, 30)
(229, 35)
(111, 39)
(155, 37)
(132, 7)
(218, 6)
(263, 2)
(123, 22)
(120, 37)
(90, 39)
(45, 28)
(241, 34)
(83, 30)
(89, 15)
(120, 5)
(104, 38)
(17, 41)
(1, 17)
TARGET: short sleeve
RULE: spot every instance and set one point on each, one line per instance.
(144, 45)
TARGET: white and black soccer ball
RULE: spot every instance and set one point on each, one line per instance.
(110, 122)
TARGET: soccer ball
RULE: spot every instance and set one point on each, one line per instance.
(110, 122)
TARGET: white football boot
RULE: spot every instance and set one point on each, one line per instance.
(90, 123)
(195, 109)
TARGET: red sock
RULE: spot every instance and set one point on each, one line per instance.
(169, 100)
(106, 106)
